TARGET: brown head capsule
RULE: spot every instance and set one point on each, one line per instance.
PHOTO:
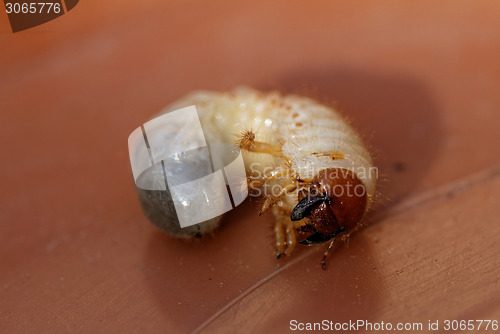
(334, 204)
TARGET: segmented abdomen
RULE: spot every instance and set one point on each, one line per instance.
(312, 136)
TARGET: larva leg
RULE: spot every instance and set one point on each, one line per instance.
(248, 142)
(285, 237)
(285, 233)
(291, 239)
(327, 252)
(257, 182)
(279, 237)
(291, 186)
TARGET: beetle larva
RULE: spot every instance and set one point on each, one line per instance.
(310, 167)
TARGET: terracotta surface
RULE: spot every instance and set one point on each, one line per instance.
(420, 81)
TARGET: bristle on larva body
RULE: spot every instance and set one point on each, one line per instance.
(286, 141)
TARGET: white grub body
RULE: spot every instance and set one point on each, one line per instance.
(306, 131)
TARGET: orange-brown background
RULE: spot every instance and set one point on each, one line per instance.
(420, 80)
